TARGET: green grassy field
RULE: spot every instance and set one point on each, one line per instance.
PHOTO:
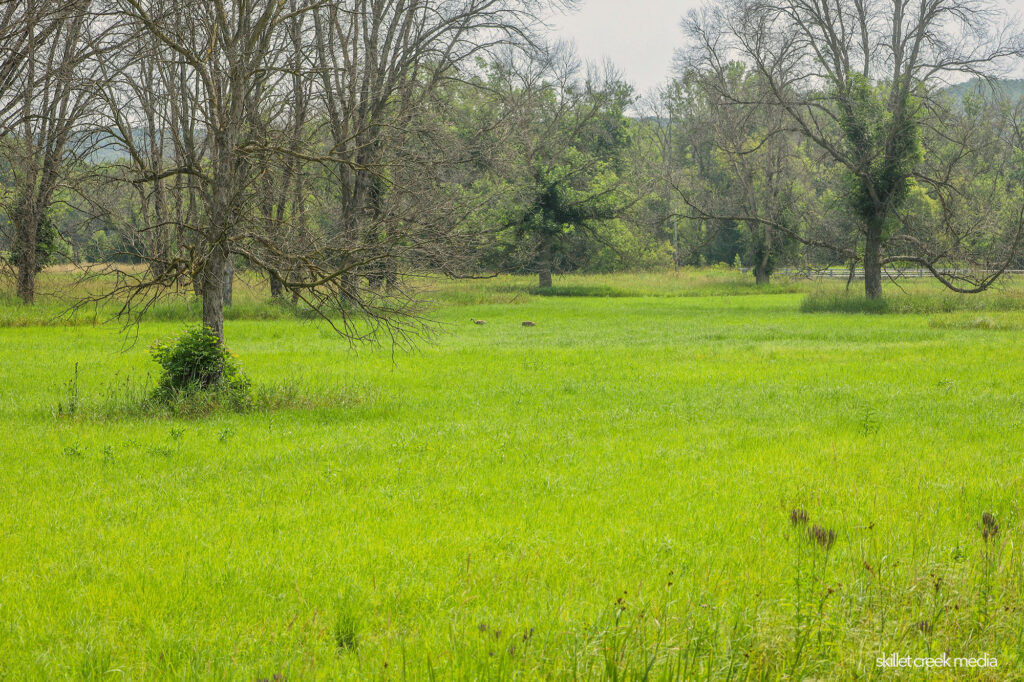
(606, 495)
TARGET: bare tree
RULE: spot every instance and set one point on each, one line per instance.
(24, 27)
(180, 80)
(298, 136)
(380, 66)
(46, 107)
(659, 135)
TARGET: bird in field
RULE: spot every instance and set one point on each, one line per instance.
(479, 321)
(527, 323)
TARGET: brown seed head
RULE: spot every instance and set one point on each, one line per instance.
(823, 537)
(989, 526)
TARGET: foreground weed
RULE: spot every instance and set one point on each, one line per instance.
(989, 566)
(812, 546)
(74, 450)
(70, 402)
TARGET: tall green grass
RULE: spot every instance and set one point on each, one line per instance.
(916, 301)
(611, 494)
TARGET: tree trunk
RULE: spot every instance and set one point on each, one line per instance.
(276, 286)
(762, 270)
(873, 262)
(229, 280)
(213, 288)
(26, 235)
(545, 263)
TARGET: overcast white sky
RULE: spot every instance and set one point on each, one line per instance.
(639, 36)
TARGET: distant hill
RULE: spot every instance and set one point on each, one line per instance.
(1012, 88)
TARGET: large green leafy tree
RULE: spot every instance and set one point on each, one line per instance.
(560, 187)
(882, 138)
(569, 197)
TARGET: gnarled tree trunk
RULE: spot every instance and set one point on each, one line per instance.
(26, 229)
(213, 289)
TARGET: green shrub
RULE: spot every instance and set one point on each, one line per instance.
(198, 361)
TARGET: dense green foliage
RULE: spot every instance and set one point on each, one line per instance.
(579, 183)
(557, 197)
(48, 242)
(197, 360)
(884, 140)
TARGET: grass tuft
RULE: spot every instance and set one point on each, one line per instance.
(992, 321)
(915, 301)
(843, 303)
(578, 290)
(132, 398)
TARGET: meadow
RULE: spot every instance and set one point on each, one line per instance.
(671, 476)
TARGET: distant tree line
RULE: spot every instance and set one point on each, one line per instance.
(339, 147)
